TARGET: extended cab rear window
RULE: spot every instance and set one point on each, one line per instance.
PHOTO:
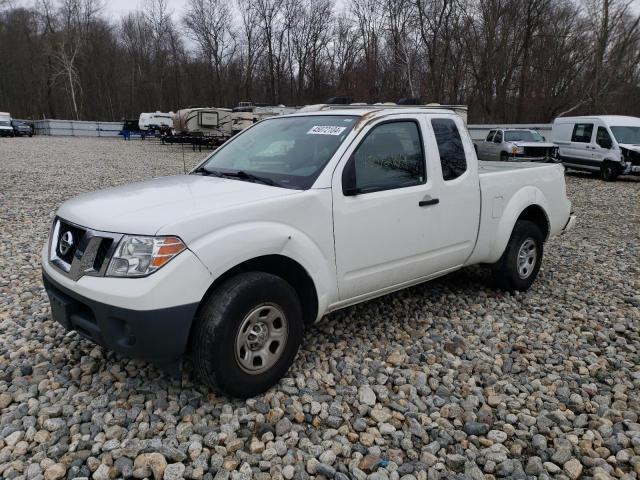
(452, 157)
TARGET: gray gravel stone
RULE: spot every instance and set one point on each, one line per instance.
(450, 379)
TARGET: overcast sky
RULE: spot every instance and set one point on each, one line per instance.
(119, 7)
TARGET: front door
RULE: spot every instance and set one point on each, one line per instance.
(603, 145)
(389, 225)
(496, 146)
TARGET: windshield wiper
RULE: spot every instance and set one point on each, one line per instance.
(242, 175)
(206, 172)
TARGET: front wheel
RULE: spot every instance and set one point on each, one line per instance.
(504, 157)
(609, 172)
(247, 334)
(520, 263)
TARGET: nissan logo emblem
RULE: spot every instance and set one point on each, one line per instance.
(66, 242)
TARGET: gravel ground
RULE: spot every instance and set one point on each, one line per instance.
(446, 380)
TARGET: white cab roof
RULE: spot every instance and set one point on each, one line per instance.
(621, 120)
(374, 111)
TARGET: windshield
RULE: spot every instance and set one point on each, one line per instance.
(522, 136)
(627, 134)
(289, 151)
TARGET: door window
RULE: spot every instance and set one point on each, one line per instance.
(391, 156)
(490, 136)
(498, 137)
(450, 147)
(603, 138)
(582, 132)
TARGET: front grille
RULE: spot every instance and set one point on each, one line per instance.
(65, 249)
(101, 254)
(78, 251)
(536, 151)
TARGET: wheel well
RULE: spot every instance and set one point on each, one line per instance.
(287, 269)
(536, 214)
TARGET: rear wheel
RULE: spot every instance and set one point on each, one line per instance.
(247, 334)
(520, 263)
(609, 171)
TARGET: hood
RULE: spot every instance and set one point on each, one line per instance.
(143, 208)
(534, 144)
(630, 146)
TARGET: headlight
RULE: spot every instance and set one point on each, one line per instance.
(139, 256)
(516, 150)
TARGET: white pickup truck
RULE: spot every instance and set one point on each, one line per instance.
(295, 217)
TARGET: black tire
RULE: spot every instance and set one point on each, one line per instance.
(609, 171)
(504, 156)
(216, 329)
(506, 272)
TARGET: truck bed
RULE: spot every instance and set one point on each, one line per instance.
(491, 167)
(504, 186)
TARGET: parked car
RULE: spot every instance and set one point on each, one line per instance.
(130, 128)
(605, 144)
(21, 129)
(6, 130)
(293, 218)
(516, 145)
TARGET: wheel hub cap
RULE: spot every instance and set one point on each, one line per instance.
(261, 338)
(527, 256)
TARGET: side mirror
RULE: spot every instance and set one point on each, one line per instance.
(607, 144)
(544, 139)
(349, 186)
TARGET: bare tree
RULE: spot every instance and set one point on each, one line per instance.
(509, 60)
(209, 24)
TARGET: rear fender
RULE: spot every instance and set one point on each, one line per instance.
(523, 198)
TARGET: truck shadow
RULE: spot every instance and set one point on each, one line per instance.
(595, 177)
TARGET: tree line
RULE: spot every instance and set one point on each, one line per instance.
(508, 60)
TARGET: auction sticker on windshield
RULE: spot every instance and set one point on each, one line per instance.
(326, 130)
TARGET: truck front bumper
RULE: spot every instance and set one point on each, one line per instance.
(147, 318)
(158, 336)
(522, 158)
(630, 169)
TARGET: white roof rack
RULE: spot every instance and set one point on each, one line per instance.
(461, 110)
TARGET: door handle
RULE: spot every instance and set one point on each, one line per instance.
(426, 201)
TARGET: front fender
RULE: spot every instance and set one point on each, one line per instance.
(223, 249)
(523, 198)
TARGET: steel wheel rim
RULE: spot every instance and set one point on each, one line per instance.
(527, 256)
(261, 338)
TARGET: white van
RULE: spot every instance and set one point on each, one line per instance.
(608, 144)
